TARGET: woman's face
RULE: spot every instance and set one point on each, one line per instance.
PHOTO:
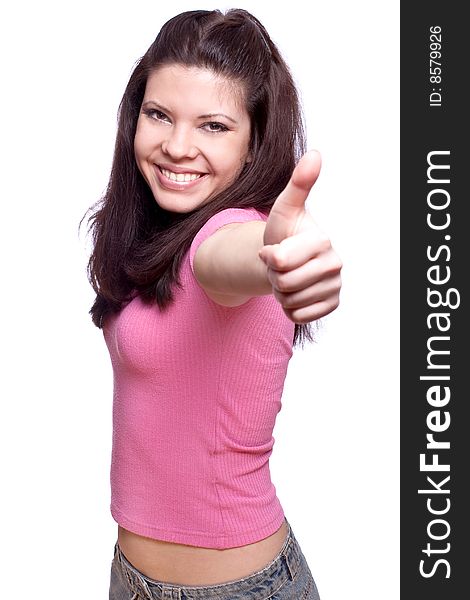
(192, 135)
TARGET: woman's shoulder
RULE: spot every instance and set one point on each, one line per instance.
(235, 214)
(230, 215)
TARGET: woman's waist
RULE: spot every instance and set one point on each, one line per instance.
(194, 565)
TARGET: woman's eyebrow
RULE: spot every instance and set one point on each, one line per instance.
(206, 116)
(212, 115)
(156, 104)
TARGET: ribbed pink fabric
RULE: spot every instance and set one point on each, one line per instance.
(197, 388)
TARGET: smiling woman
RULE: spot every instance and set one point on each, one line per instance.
(207, 270)
(180, 147)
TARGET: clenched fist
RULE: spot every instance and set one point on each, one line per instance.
(303, 268)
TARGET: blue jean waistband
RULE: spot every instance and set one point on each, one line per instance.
(270, 578)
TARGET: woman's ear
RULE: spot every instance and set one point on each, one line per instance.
(249, 157)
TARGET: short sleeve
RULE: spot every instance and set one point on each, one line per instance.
(228, 215)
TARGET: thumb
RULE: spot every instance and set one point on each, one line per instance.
(292, 198)
(288, 210)
(306, 173)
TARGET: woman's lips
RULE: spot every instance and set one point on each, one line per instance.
(171, 184)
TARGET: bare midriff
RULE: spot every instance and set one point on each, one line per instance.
(192, 565)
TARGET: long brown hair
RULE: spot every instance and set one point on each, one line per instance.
(137, 245)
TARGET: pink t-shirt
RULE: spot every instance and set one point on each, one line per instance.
(197, 388)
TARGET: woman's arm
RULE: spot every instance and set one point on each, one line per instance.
(227, 264)
(288, 255)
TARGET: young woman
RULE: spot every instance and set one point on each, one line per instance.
(207, 270)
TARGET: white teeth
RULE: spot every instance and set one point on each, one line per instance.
(179, 176)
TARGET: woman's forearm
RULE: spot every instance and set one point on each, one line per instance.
(227, 262)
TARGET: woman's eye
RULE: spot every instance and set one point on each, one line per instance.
(215, 127)
(153, 113)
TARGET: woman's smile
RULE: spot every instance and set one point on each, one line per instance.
(179, 181)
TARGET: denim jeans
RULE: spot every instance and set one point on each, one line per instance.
(286, 577)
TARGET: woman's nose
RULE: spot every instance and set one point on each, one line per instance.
(179, 143)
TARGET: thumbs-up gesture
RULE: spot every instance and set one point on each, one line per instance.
(303, 268)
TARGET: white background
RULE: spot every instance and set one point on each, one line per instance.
(335, 460)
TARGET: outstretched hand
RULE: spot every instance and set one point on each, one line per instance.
(303, 268)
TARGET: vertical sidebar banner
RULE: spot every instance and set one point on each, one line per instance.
(435, 268)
